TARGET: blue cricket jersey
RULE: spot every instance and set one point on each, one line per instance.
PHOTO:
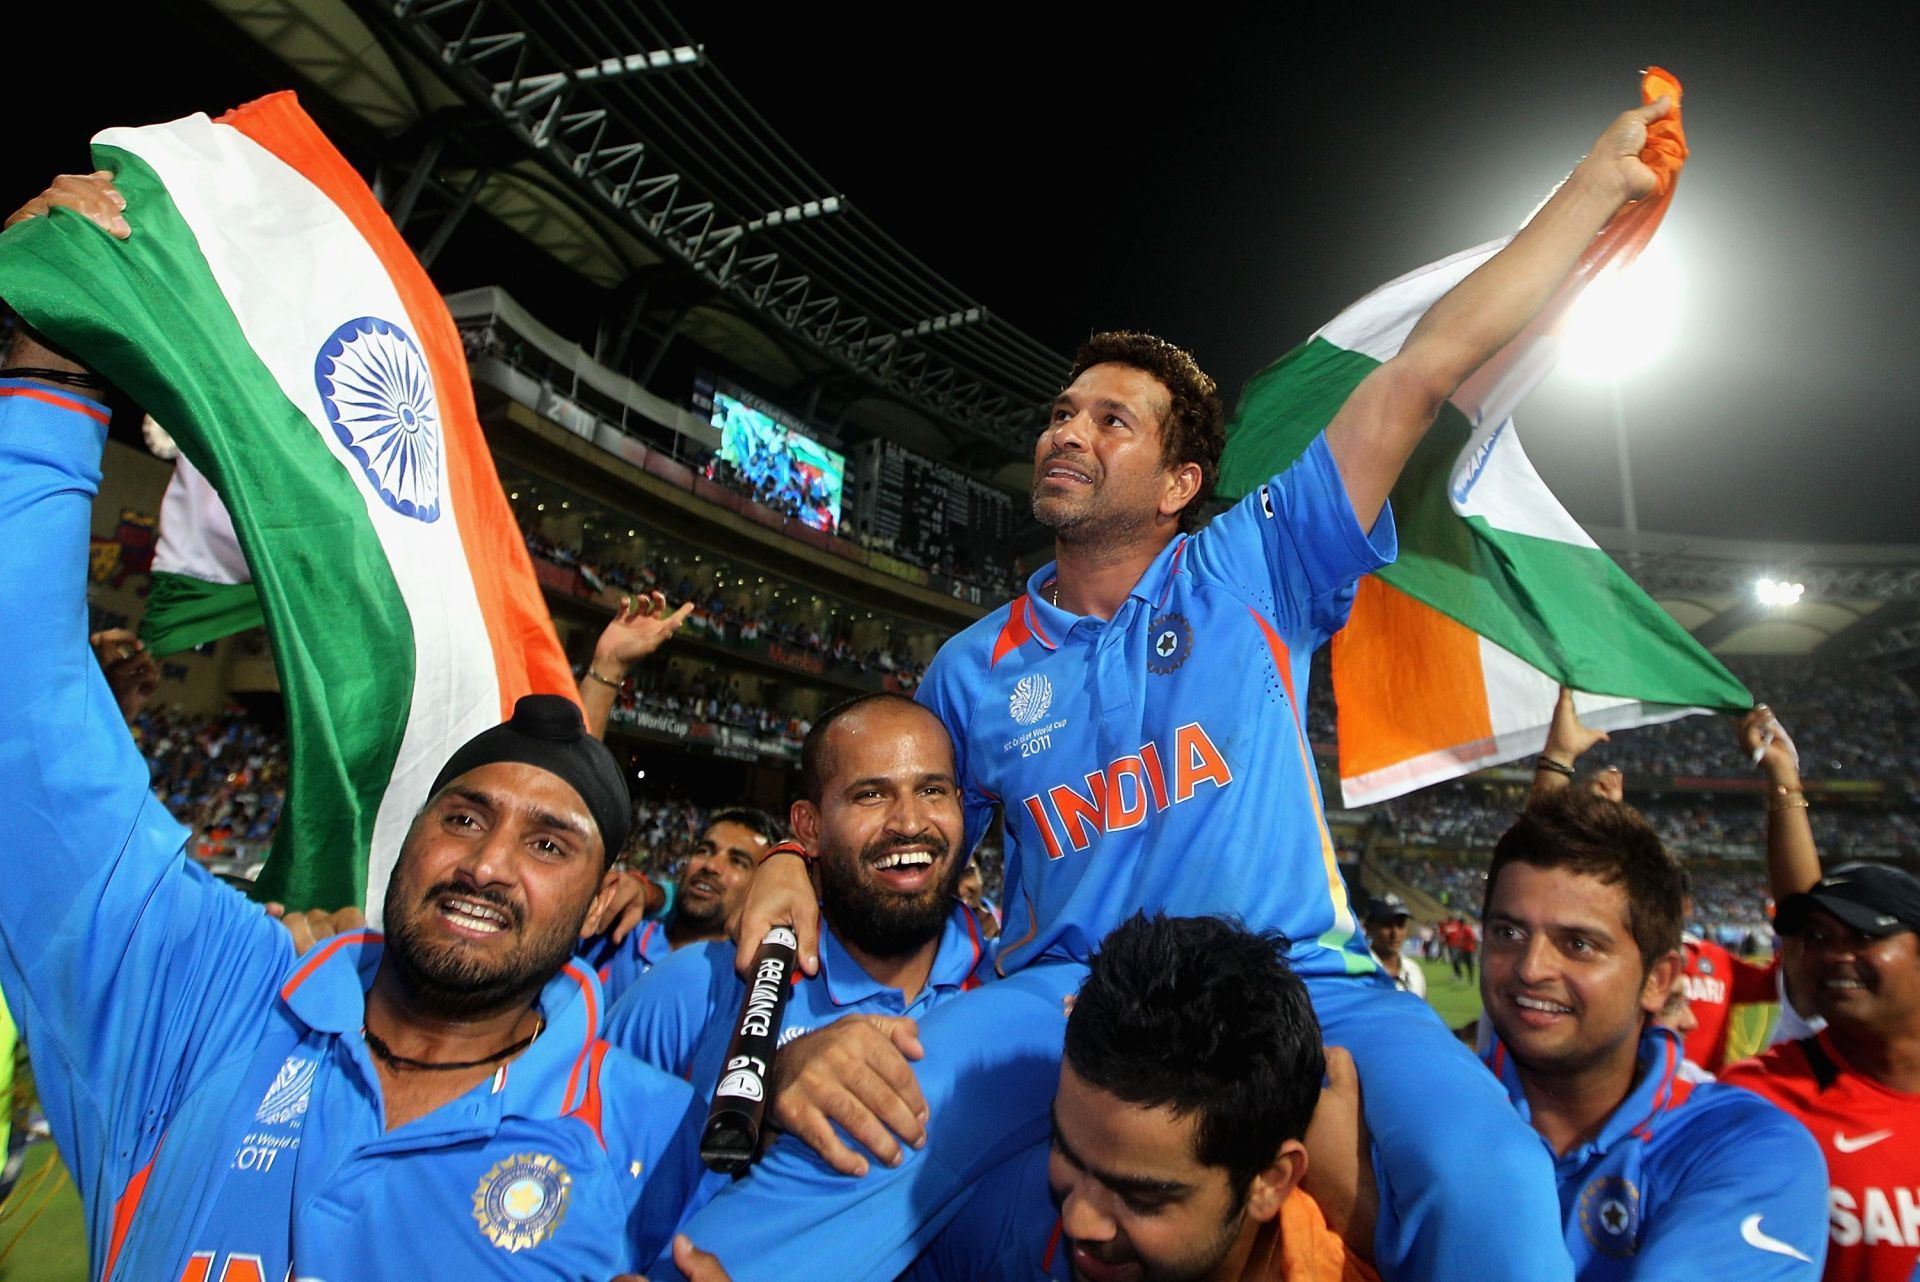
(1688, 1181)
(619, 965)
(1159, 760)
(211, 1092)
(681, 1019)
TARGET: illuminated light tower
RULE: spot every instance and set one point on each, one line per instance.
(1620, 324)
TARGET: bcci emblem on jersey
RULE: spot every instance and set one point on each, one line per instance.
(1031, 697)
(522, 1200)
(1170, 644)
(1610, 1215)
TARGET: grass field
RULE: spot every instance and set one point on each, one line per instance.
(1457, 1000)
(42, 1237)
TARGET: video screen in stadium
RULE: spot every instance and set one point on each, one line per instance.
(790, 469)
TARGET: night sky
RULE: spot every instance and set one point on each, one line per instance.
(1233, 180)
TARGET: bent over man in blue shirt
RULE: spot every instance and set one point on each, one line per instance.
(433, 1103)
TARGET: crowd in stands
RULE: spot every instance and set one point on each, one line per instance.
(221, 775)
(714, 617)
(709, 701)
(724, 473)
(1000, 579)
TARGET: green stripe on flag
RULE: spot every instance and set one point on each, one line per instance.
(184, 612)
(148, 314)
(1283, 407)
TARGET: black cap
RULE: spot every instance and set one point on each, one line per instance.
(1387, 907)
(1872, 899)
(547, 731)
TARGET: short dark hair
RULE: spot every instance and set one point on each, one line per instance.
(814, 763)
(1194, 431)
(752, 819)
(1203, 1016)
(1571, 828)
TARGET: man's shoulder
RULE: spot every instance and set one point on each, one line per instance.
(1727, 1128)
(957, 666)
(975, 643)
(643, 1092)
(706, 966)
(1779, 1073)
(697, 973)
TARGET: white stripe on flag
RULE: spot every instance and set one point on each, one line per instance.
(196, 532)
(293, 268)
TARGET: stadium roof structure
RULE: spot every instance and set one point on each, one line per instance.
(1860, 602)
(600, 131)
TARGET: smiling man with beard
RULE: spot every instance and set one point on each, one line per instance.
(712, 886)
(880, 826)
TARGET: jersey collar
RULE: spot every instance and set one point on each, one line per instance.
(1657, 1090)
(956, 955)
(1048, 622)
(328, 993)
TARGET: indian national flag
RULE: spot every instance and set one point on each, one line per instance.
(267, 313)
(1452, 657)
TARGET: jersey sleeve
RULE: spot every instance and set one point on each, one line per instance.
(944, 691)
(1294, 546)
(1748, 1205)
(129, 969)
(1002, 1232)
(660, 1019)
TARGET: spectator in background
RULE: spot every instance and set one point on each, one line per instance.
(710, 890)
(1387, 919)
(973, 892)
(1856, 1085)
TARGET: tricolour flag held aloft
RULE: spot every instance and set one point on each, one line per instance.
(1453, 654)
(266, 311)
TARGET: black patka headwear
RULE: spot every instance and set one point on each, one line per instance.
(547, 731)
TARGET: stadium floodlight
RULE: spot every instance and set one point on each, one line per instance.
(1779, 592)
(1625, 320)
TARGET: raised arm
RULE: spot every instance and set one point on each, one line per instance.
(641, 626)
(124, 964)
(1793, 862)
(1567, 741)
(1375, 432)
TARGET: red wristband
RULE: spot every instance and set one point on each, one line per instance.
(788, 848)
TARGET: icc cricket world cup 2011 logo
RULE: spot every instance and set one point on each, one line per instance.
(1032, 696)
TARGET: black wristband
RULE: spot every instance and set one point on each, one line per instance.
(1544, 762)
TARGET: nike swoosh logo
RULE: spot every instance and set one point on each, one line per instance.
(1854, 1143)
(1750, 1234)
